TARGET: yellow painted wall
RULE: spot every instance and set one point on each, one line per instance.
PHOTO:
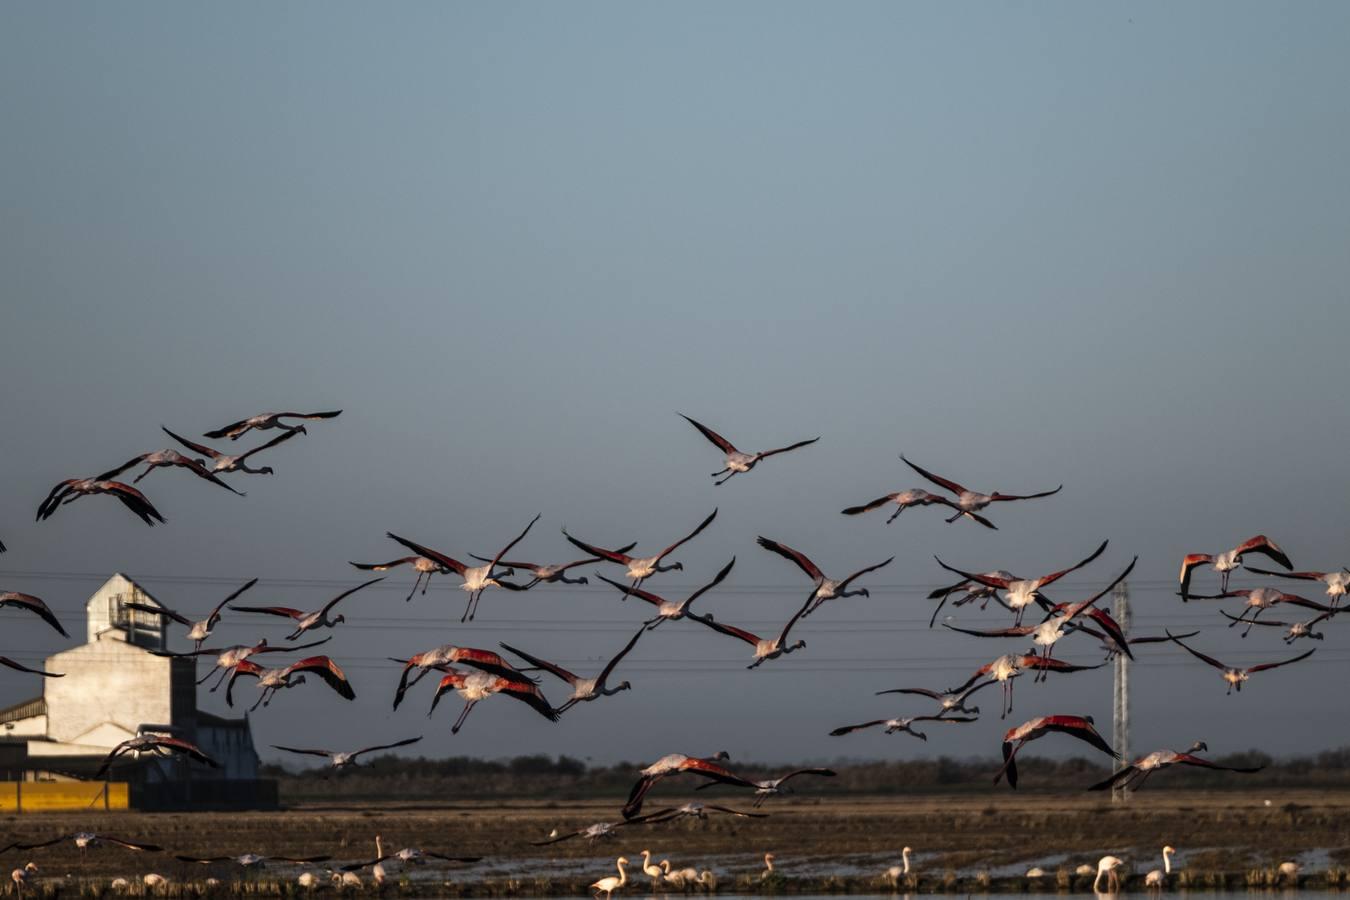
(41, 796)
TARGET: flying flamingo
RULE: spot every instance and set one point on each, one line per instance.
(1295, 631)
(252, 860)
(765, 648)
(169, 458)
(20, 667)
(675, 764)
(1052, 628)
(582, 688)
(224, 462)
(552, 573)
(894, 725)
(667, 610)
(439, 658)
(640, 568)
(970, 502)
(903, 500)
(33, 605)
(273, 680)
(86, 840)
(1136, 773)
(154, 743)
(339, 760)
(1234, 675)
(1229, 560)
(308, 621)
(479, 685)
(72, 489)
(1075, 726)
(1258, 600)
(771, 787)
(736, 461)
(950, 701)
(264, 421)
(476, 578)
(973, 591)
(1337, 583)
(590, 832)
(696, 810)
(1011, 665)
(408, 856)
(1021, 593)
(826, 588)
(229, 657)
(424, 568)
(197, 631)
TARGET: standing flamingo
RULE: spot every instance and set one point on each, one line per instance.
(609, 885)
(736, 461)
(1157, 879)
(1106, 866)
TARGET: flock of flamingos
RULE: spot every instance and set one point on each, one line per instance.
(476, 674)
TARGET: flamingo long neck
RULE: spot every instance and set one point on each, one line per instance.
(379, 849)
(623, 876)
(1167, 860)
(904, 855)
(768, 863)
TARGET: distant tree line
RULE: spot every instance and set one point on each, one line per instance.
(565, 778)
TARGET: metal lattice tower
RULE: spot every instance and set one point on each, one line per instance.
(1120, 706)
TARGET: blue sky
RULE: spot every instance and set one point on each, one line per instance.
(1100, 244)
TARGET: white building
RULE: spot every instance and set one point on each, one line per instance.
(113, 686)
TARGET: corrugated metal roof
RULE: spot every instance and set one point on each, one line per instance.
(25, 709)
